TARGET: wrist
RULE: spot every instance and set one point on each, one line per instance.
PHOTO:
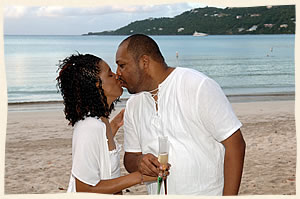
(142, 179)
(139, 178)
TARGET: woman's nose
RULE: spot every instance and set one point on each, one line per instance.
(116, 76)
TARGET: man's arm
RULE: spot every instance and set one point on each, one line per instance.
(146, 164)
(233, 163)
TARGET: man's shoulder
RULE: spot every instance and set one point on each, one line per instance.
(189, 76)
(190, 72)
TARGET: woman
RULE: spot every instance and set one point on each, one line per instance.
(90, 89)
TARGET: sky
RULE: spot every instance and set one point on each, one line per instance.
(55, 20)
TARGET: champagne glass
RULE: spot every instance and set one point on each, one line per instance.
(163, 151)
(163, 155)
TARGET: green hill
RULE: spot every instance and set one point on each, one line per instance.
(216, 21)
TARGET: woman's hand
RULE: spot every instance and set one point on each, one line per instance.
(117, 122)
(164, 174)
(149, 178)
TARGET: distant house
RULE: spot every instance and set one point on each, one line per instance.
(205, 15)
(254, 15)
(160, 29)
(253, 28)
(241, 29)
(131, 30)
(238, 17)
(222, 15)
(284, 26)
(269, 7)
(268, 25)
(180, 29)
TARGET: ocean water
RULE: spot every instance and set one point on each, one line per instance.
(241, 64)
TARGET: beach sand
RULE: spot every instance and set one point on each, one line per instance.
(38, 149)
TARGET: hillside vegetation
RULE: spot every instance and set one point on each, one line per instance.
(216, 21)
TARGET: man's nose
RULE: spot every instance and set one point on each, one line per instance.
(118, 73)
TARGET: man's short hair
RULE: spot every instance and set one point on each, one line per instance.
(139, 45)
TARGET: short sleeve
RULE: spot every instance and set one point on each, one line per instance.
(131, 139)
(88, 140)
(215, 111)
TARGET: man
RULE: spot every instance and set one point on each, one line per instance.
(206, 145)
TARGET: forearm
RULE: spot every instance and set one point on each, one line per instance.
(111, 186)
(131, 161)
(233, 169)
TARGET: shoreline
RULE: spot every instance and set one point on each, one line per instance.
(58, 105)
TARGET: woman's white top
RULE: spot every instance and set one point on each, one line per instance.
(91, 159)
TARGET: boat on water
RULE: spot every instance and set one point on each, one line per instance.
(199, 34)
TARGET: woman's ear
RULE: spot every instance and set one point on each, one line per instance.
(97, 84)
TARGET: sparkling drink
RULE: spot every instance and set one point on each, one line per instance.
(163, 159)
(163, 151)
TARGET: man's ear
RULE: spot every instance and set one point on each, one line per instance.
(144, 62)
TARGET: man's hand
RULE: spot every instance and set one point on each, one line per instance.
(149, 165)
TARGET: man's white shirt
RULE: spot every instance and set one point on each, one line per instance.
(196, 116)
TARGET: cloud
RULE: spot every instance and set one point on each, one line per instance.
(14, 11)
(50, 11)
(56, 11)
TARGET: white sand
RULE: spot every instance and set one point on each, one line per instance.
(38, 150)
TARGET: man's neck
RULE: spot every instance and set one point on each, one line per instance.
(158, 79)
(164, 74)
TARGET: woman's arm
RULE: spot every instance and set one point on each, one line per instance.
(114, 185)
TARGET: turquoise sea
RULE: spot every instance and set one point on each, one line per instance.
(241, 64)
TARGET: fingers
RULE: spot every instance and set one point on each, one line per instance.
(163, 173)
(121, 113)
(149, 165)
(121, 117)
(147, 178)
(168, 167)
(118, 120)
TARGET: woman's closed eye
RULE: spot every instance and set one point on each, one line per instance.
(111, 74)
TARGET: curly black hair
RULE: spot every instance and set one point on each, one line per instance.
(78, 75)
